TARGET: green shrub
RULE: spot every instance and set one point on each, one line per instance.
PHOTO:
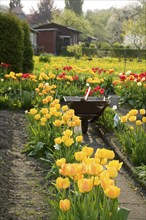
(11, 41)
(45, 57)
(28, 64)
(107, 119)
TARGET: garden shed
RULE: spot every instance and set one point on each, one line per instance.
(52, 37)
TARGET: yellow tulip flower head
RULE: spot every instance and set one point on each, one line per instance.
(87, 150)
(85, 185)
(112, 192)
(62, 183)
(64, 205)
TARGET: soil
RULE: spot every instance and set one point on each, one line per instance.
(23, 190)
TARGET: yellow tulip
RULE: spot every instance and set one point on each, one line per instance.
(65, 108)
(33, 111)
(37, 117)
(41, 85)
(144, 119)
(133, 112)
(138, 122)
(80, 156)
(103, 161)
(57, 123)
(69, 169)
(64, 205)
(88, 150)
(71, 124)
(116, 164)
(62, 183)
(77, 122)
(49, 98)
(142, 111)
(52, 111)
(57, 106)
(65, 118)
(43, 119)
(95, 169)
(112, 171)
(47, 116)
(60, 162)
(58, 140)
(112, 192)
(44, 111)
(85, 185)
(104, 153)
(68, 133)
(79, 138)
(132, 118)
(68, 142)
(45, 101)
(82, 168)
(37, 90)
(123, 119)
(106, 182)
(89, 160)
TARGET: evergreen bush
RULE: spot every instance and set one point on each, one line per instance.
(28, 64)
(11, 41)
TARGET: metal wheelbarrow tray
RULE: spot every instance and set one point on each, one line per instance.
(86, 109)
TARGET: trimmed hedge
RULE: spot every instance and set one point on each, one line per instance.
(11, 41)
(124, 53)
(115, 52)
(28, 64)
(15, 44)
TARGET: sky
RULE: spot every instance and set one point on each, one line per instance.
(88, 4)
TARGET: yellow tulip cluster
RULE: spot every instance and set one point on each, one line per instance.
(44, 89)
(13, 75)
(131, 116)
(94, 80)
(67, 138)
(88, 173)
(18, 76)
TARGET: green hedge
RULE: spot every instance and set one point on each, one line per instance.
(11, 42)
(15, 43)
(28, 64)
(125, 53)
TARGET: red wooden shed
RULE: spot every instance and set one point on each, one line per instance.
(52, 37)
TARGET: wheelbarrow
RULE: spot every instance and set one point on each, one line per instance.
(86, 109)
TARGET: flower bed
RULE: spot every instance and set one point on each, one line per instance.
(82, 177)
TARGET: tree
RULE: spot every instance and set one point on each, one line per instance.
(15, 3)
(68, 18)
(98, 20)
(44, 12)
(135, 29)
(75, 5)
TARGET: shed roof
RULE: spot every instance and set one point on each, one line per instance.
(55, 24)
